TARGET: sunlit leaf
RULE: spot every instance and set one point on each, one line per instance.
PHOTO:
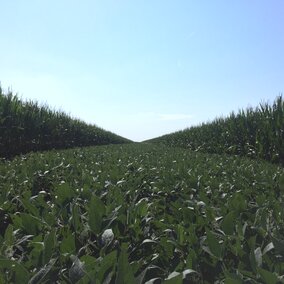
(258, 256)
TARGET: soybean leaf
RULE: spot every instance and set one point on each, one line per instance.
(267, 276)
(190, 275)
(68, 244)
(180, 233)
(278, 245)
(233, 281)
(96, 212)
(37, 223)
(214, 245)
(30, 207)
(9, 235)
(20, 273)
(174, 278)
(77, 270)
(153, 270)
(228, 224)
(42, 273)
(124, 272)
(75, 217)
(268, 248)
(49, 243)
(258, 256)
(64, 194)
(30, 223)
(106, 265)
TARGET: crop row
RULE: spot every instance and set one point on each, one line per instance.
(252, 132)
(140, 213)
(27, 126)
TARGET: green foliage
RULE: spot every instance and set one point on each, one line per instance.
(96, 212)
(124, 271)
(139, 212)
(28, 126)
(256, 133)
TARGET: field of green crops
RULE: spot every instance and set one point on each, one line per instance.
(256, 133)
(28, 126)
(207, 209)
(140, 213)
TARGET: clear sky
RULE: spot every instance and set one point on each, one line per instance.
(143, 68)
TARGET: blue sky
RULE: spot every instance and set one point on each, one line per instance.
(143, 68)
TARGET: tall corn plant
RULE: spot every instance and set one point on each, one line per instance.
(252, 132)
(27, 126)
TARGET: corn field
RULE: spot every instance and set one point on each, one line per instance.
(257, 133)
(28, 126)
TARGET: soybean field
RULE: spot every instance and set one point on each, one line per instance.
(140, 213)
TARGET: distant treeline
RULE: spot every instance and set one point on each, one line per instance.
(252, 132)
(28, 126)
